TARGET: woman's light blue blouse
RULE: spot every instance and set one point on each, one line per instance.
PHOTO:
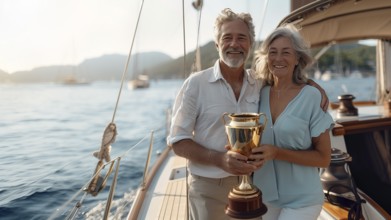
(287, 184)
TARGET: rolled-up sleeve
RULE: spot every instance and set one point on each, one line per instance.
(184, 113)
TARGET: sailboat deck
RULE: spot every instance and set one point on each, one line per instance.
(174, 204)
(175, 199)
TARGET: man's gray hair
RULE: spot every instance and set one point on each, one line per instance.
(227, 15)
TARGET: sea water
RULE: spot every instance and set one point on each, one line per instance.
(49, 131)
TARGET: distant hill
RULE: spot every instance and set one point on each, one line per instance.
(110, 67)
(161, 66)
(4, 77)
(176, 69)
(107, 67)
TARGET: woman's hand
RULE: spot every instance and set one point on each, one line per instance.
(262, 154)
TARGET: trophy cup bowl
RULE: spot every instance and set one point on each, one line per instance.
(244, 133)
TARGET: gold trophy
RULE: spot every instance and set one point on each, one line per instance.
(244, 133)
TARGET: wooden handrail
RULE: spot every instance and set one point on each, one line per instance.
(139, 199)
(335, 105)
(374, 118)
(376, 206)
(361, 126)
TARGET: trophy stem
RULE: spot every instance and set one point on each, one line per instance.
(245, 201)
(245, 184)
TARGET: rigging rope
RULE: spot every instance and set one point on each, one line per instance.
(184, 39)
(78, 205)
(110, 132)
(257, 43)
(197, 4)
(197, 59)
(98, 182)
(128, 60)
(185, 75)
(354, 205)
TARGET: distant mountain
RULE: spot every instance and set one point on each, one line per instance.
(161, 66)
(111, 67)
(176, 69)
(4, 77)
(106, 67)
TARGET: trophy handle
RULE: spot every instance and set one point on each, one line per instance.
(225, 114)
(265, 119)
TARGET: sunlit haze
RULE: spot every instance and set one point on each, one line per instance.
(60, 32)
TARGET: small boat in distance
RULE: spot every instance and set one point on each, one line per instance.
(71, 80)
(141, 82)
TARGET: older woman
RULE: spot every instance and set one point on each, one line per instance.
(296, 141)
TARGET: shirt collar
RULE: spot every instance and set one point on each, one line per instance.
(249, 74)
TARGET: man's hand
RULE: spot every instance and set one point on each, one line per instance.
(324, 103)
(236, 163)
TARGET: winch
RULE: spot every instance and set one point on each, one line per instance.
(346, 107)
(338, 185)
(335, 178)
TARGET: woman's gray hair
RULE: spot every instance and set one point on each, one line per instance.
(299, 46)
(228, 15)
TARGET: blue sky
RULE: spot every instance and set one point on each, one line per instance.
(58, 32)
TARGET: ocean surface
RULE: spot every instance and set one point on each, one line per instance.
(48, 133)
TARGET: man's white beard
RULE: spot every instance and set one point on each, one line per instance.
(232, 62)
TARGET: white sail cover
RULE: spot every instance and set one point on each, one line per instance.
(325, 21)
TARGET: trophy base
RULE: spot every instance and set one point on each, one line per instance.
(245, 204)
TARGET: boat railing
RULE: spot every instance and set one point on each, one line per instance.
(113, 165)
(148, 160)
(149, 174)
(143, 189)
